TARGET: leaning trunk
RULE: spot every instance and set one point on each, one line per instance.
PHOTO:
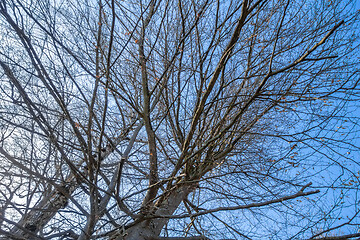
(36, 219)
(151, 228)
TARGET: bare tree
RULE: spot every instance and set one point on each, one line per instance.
(179, 119)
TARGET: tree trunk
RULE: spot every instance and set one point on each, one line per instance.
(151, 229)
(36, 219)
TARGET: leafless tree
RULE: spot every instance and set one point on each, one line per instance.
(159, 119)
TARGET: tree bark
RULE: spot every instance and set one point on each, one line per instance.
(40, 215)
(151, 228)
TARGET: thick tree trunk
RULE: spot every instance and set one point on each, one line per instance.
(36, 219)
(151, 229)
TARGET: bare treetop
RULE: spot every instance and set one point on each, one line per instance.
(179, 119)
